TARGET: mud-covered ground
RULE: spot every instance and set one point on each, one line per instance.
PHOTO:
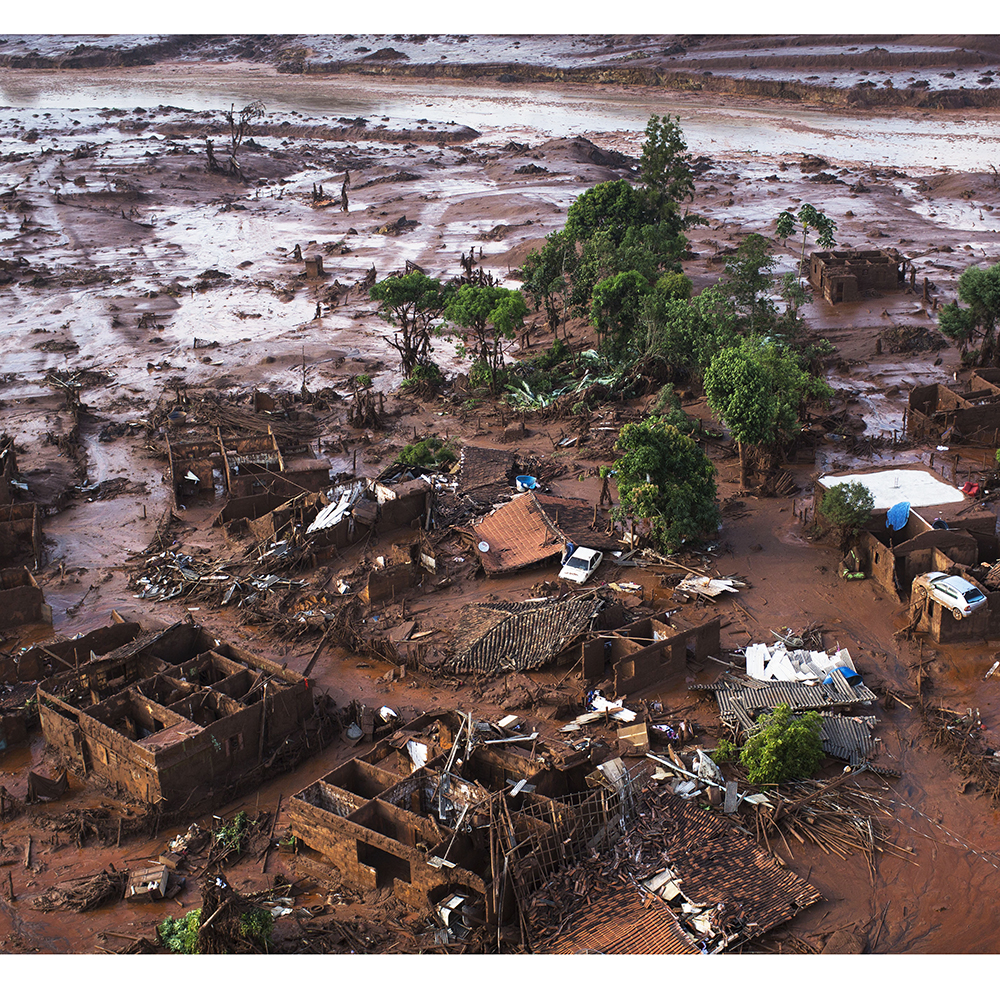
(127, 259)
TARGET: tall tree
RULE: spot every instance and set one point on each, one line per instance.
(412, 302)
(979, 289)
(750, 276)
(665, 477)
(664, 167)
(616, 306)
(809, 218)
(740, 390)
(492, 314)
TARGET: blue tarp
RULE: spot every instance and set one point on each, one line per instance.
(897, 515)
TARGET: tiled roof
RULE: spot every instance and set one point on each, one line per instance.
(574, 518)
(481, 467)
(617, 923)
(715, 863)
(518, 535)
(505, 636)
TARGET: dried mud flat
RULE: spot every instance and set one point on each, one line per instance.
(126, 260)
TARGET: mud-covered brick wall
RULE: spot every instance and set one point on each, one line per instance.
(366, 858)
(985, 380)
(23, 605)
(944, 627)
(644, 667)
(388, 584)
(35, 661)
(876, 560)
(63, 735)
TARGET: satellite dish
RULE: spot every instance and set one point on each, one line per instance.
(484, 546)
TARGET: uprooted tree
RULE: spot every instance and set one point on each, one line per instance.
(666, 479)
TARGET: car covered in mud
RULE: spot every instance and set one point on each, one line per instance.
(580, 565)
(954, 592)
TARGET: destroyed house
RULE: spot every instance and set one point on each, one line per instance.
(21, 533)
(952, 412)
(534, 528)
(22, 599)
(202, 461)
(508, 635)
(427, 811)
(174, 719)
(720, 888)
(846, 275)
(647, 652)
(933, 516)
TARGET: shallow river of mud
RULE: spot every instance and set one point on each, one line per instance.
(717, 124)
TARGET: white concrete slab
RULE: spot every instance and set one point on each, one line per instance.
(890, 486)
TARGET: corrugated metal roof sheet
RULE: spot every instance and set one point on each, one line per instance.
(512, 636)
(736, 700)
(617, 923)
(518, 535)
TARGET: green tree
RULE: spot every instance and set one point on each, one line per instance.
(741, 392)
(674, 285)
(848, 506)
(979, 289)
(616, 306)
(546, 276)
(492, 314)
(664, 166)
(612, 207)
(688, 332)
(749, 278)
(809, 218)
(784, 747)
(665, 477)
(412, 302)
(759, 390)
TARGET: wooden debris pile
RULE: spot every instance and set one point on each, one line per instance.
(175, 574)
(82, 894)
(961, 737)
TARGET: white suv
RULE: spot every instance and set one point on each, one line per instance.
(954, 592)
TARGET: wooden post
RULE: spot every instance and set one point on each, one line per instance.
(10, 887)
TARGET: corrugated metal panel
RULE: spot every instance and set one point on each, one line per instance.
(735, 699)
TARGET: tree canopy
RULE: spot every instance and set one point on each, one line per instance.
(413, 303)
(785, 747)
(664, 476)
(979, 289)
(492, 314)
(808, 217)
(758, 389)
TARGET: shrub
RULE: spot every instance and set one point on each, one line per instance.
(784, 748)
(431, 453)
(181, 934)
(848, 506)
